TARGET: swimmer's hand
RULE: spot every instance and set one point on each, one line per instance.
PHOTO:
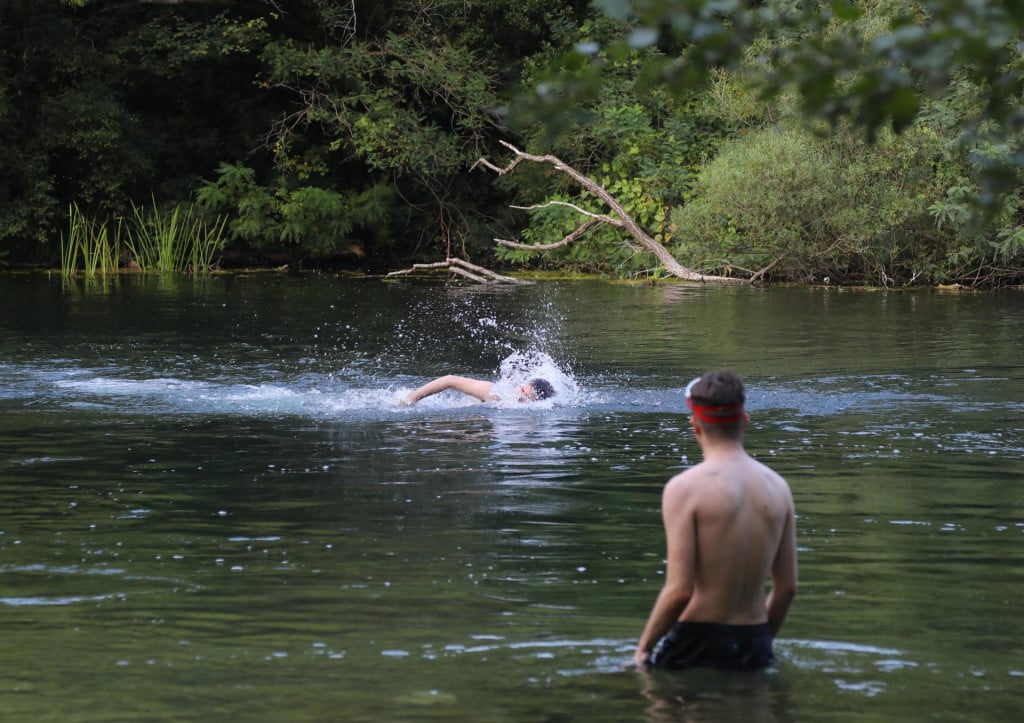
(406, 402)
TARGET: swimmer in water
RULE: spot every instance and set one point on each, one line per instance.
(532, 391)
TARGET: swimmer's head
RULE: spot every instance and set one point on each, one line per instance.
(716, 399)
(542, 388)
(535, 390)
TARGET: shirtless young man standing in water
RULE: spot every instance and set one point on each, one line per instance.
(729, 526)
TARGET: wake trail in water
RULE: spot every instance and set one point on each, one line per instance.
(330, 396)
(915, 408)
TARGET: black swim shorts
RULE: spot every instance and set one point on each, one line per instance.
(714, 645)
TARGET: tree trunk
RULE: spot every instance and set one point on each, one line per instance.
(620, 219)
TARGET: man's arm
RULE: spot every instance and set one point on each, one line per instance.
(480, 389)
(783, 574)
(681, 543)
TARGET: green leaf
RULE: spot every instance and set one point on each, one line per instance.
(845, 10)
(902, 104)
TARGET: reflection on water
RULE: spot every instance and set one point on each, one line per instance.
(212, 500)
(717, 696)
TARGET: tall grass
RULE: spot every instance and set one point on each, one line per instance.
(91, 242)
(174, 240)
(207, 243)
(70, 247)
(160, 241)
(156, 238)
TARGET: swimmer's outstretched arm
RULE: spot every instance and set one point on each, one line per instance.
(482, 390)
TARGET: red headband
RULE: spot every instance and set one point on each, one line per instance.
(713, 415)
(716, 415)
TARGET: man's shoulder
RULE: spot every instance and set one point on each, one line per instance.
(770, 473)
(690, 473)
(692, 478)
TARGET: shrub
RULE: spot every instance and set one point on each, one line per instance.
(821, 205)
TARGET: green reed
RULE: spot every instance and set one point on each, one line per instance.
(91, 242)
(70, 247)
(100, 254)
(175, 239)
(158, 240)
(207, 242)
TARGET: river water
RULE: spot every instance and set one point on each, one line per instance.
(212, 507)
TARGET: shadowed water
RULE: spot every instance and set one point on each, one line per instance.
(215, 508)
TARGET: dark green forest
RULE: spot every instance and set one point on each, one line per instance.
(874, 142)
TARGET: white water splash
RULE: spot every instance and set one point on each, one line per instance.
(520, 367)
(515, 370)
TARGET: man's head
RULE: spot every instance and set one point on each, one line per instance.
(716, 402)
(536, 389)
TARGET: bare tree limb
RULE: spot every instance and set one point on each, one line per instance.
(418, 267)
(760, 274)
(586, 226)
(494, 276)
(620, 219)
(468, 275)
(348, 28)
(596, 216)
(463, 268)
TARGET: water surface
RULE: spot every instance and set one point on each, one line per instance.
(214, 508)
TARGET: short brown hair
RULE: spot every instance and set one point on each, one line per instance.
(542, 388)
(720, 393)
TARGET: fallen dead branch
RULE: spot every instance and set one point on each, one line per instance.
(618, 219)
(763, 272)
(460, 267)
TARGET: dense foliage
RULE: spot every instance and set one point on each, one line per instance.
(875, 142)
(872, 142)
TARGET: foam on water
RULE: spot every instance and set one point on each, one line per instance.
(311, 396)
(358, 389)
(335, 395)
(515, 370)
(520, 367)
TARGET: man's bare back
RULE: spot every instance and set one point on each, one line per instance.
(729, 526)
(736, 510)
